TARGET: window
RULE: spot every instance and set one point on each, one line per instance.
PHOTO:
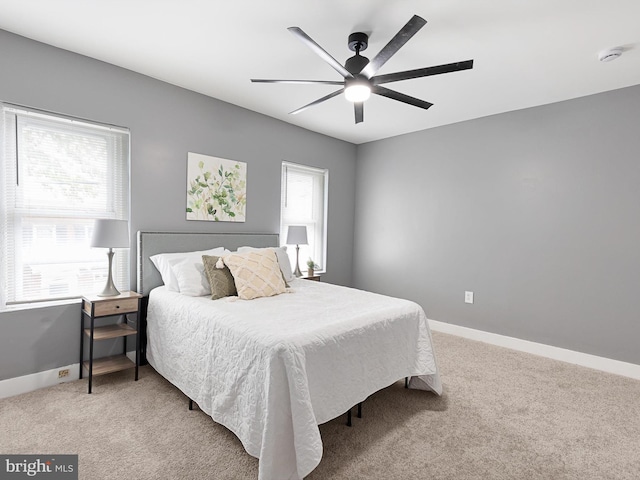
(304, 202)
(58, 175)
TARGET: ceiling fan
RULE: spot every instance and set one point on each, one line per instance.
(360, 79)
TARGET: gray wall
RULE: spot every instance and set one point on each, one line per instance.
(166, 122)
(536, 211)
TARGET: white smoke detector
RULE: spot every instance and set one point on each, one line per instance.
(609, 54)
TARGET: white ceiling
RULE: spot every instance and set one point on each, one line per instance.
(525, 52)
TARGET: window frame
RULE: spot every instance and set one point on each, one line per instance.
(313, 172)
(15, 208)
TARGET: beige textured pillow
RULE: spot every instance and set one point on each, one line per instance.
(220, 279)
(256, 273)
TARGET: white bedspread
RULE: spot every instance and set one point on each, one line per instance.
(272, 369)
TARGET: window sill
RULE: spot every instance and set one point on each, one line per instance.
(32, 306)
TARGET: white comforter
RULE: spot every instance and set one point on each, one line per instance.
(272, 369)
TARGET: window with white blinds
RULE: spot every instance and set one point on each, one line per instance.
(58, 174)
(304, 202)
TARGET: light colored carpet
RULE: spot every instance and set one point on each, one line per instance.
(503, 415)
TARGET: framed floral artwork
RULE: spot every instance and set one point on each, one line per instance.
(216, 189)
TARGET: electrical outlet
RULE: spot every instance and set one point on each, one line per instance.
(63, 373)
(468, 297)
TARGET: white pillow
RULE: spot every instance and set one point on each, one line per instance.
(164, 262)
(283, 260)
(191, 277)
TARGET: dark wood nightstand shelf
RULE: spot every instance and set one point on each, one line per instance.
(115, 363)
(315, 278)
(111, 331)
(94, 307)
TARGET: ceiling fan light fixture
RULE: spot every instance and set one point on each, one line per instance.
(357, 90)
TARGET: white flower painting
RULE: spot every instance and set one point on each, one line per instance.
(216, 189)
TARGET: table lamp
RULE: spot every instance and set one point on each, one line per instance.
(108, 233)
(297, 235)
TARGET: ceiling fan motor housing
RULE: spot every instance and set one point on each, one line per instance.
(355, 64)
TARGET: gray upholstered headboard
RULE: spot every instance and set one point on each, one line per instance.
(151, 243)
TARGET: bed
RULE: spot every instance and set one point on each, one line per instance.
(272, 369)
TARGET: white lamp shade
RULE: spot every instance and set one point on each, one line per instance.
(297, 235)
(108, 233)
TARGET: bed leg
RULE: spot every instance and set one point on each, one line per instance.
(349, 418)
(406, 382)
(360, 410)
(190, 404)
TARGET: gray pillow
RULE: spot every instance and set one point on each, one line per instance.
(220, 279)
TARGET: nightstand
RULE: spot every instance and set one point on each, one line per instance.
(94, 307)
(315, 278)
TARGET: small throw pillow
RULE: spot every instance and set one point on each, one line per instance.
(220, 279)
(283, 260)
(256, 273)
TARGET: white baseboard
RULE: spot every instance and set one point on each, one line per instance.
(34, 381)
(608, 365)
(132, 356)
(48, 378)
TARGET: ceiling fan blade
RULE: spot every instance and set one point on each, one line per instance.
(403, 36)
(422, 72)
(401, 97)
(320, 100)
(359, 111)
(302, 82)
(309, 42)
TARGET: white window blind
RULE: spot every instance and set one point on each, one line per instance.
(304, 202)
(58, 175)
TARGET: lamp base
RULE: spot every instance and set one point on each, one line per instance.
(297, 271)
(110, 289)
